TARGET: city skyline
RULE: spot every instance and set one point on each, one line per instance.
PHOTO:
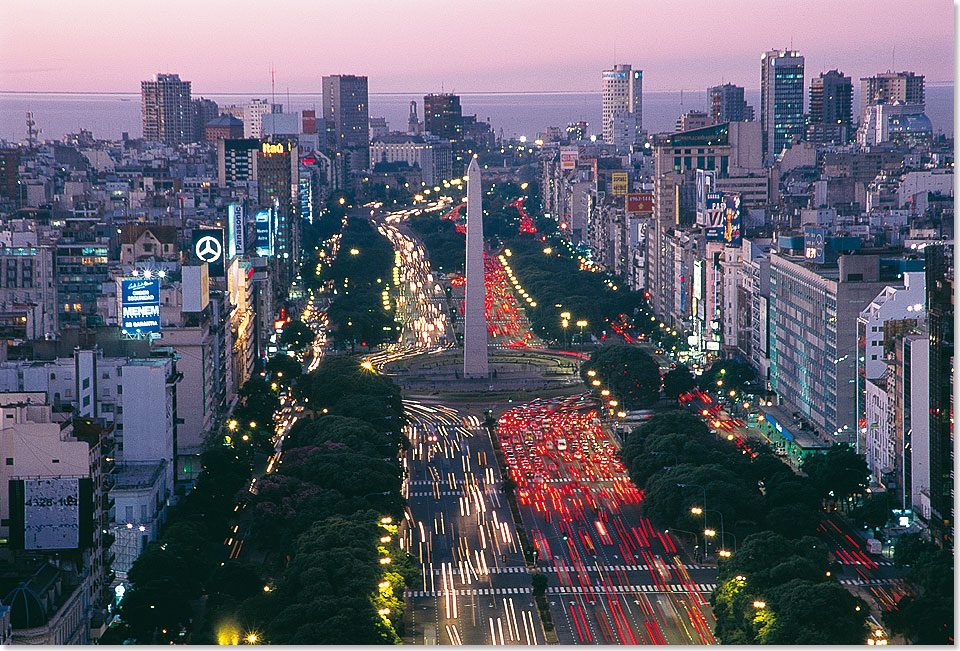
(546, 38)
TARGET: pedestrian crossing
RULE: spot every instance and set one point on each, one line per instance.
(442, 494)
(704, 588)
(570, 568)
(861, 582)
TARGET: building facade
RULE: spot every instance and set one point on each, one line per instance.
(167, 110)
(781, 99)
(621, 92)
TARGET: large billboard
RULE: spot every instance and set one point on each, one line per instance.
(714, 216)
(619, 184)
(764, 327)
(569, 157)
(731, 221)
(139, 305)
(706, 182)
(640, 202)
(236, 231)
(265, 229)
(51, 514)
(208, 247)
(813, 243)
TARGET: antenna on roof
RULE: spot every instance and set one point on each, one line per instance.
(273, 85)
(893, 58)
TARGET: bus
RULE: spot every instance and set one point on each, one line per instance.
(561, 444)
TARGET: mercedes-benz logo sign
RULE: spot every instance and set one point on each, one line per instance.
(209, 249)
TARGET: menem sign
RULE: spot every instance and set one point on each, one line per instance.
(139, 305)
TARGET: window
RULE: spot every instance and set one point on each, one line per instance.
(86, 383)
(9, 461)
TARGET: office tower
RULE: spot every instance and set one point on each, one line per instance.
(443, 118)
(204, 111)
(622, 92)
(253, 117)
(814, 310)
(831, 108)
(278, 178)
(939, 270)
(167, 110)
(237, 161)
(346, 112)
(781, 99)
(474, 322)
(889, 87)
(413, 121)
(726, 104)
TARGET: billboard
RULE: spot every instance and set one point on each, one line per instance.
(236, 232)
(208, 247)
(698, 311)
(51, 514)
(731, 222)
(764, 327)
(139, 305)
(619, 184)
(813, 243)
(264, 222)
(640, 202)
(569, 157)
(706, 182)
(714, 215)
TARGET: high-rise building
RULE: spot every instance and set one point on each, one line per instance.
(167, 110)
(622, 92)
(813, 337)
(443, 117)
(204, 111)
(889, 87)
(831, 108)
(253, 116)
(939, 269)
(726, 104)
(781, 98)
(278, 179)
(347, 117)
(237, 161)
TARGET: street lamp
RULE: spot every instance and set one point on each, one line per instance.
(582, 325)
(682, 485)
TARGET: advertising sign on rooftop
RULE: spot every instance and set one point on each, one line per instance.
(51, 514)
(619, 184)
(139, 305)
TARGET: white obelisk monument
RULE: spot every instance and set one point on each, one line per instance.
(474, 317)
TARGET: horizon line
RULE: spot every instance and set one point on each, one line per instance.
(395, 92)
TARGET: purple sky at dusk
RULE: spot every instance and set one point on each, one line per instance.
(488, 45)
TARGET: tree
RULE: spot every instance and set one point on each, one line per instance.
(874, 512)
(284, 368)
(628, 372)
(819, 613)
(678, 381)
(297, 335)
(838, 473)
(734, 375)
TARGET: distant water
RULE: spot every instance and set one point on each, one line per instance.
(108, 115)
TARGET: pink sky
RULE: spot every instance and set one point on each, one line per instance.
(487, 45)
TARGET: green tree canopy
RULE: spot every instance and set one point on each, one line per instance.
(628, 372)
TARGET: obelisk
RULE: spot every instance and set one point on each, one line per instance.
(474, 317)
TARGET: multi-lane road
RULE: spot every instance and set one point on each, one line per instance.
(613, 577)
(475, 589)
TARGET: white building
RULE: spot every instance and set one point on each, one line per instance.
(892, 304)
(622, 92)
(432, 156)
(253, 117)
